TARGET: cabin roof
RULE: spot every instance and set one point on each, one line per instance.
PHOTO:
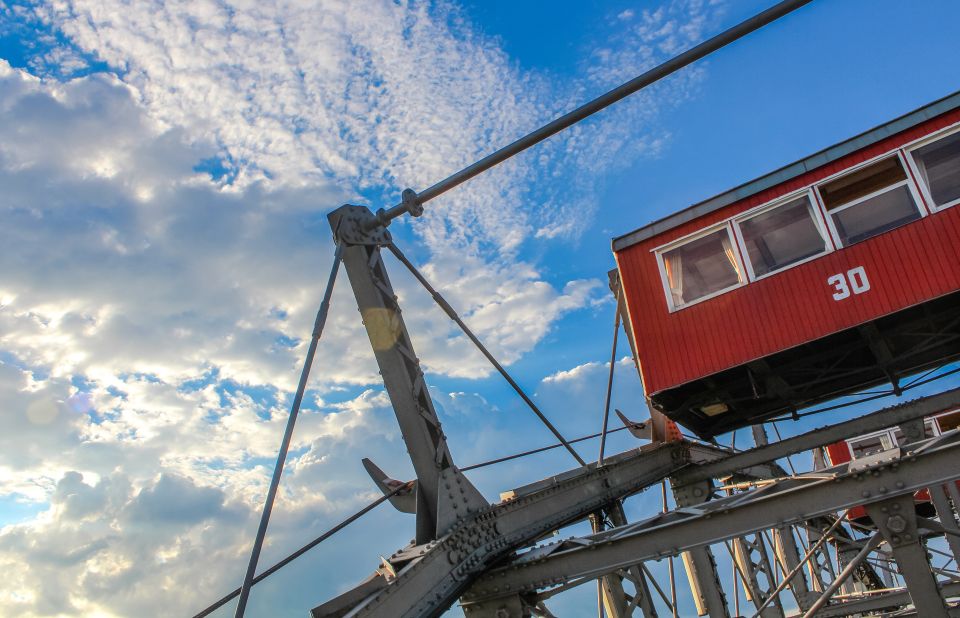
(788, 172)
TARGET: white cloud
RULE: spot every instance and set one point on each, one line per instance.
(152, 321)
(384, 96)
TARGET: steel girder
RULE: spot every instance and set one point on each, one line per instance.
(700, 563)
(896, 520)
(868, 423)
(425, 580)
(785, 502)
(459, 536)
(443, 494)
(875, 602)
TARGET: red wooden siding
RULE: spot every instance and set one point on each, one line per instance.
(905, 266)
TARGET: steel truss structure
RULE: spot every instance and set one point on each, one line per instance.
(785, 536)
(777, 529)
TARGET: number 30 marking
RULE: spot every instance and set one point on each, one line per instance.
(858, 283)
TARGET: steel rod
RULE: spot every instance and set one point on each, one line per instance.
(448, 309)
(323, 537)
(776, 430)
(673, 581)
(287, 435)
(845, 574)
(550, 447)
(747, 584)
(603, 101)
(613, 365)
(789, 577)
(656, 585)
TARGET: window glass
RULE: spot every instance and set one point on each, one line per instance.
(701, 267)
(782, 236)
(868, 445)
(869, 201)
(939, 165)
(928, 432)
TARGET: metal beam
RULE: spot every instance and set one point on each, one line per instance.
(874, 602)
(701, 566)
(438, 508)
(750, 554)
(430, 577)
(945, 513)
(894, 415)
(896, 520)
(844, 575)
(785, 502)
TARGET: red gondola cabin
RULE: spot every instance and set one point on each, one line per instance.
(879, 441)
(830, 275)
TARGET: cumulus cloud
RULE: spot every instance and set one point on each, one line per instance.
(383, 96)
(164, 247)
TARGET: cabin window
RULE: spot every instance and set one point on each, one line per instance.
(701, 267)
(949, 421)
(929, 430)
(782, 236)
(868, 445)
(938, 165)
(870, 201)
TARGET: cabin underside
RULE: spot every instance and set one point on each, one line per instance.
(883, 351)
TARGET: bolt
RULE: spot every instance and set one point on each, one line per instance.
(896, 523)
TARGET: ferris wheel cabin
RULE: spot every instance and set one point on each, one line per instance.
(831, 275)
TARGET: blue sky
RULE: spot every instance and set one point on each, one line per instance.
(165, 170)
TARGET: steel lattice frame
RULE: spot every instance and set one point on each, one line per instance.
(488, 556)
(786, 535)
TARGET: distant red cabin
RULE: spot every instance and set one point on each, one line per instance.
(830, 275)
(879, 441)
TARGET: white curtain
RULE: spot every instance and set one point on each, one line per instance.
(673, 264)
(731, 257)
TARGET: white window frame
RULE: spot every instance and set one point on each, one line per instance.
(665, 282)
(915, 168)
(908, 182)
(781, 201)
(917, 189)
(891, 434)
(929, 422)
(885, 433)
(936, 417)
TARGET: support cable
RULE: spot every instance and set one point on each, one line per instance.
(780, 439)
(536, 450)
(673, 581)
(613, 365)
(288, 434)
(793, 572)
(847, 404)
(443, 304)
(844, 575)
(592, 107)
(323, 537)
